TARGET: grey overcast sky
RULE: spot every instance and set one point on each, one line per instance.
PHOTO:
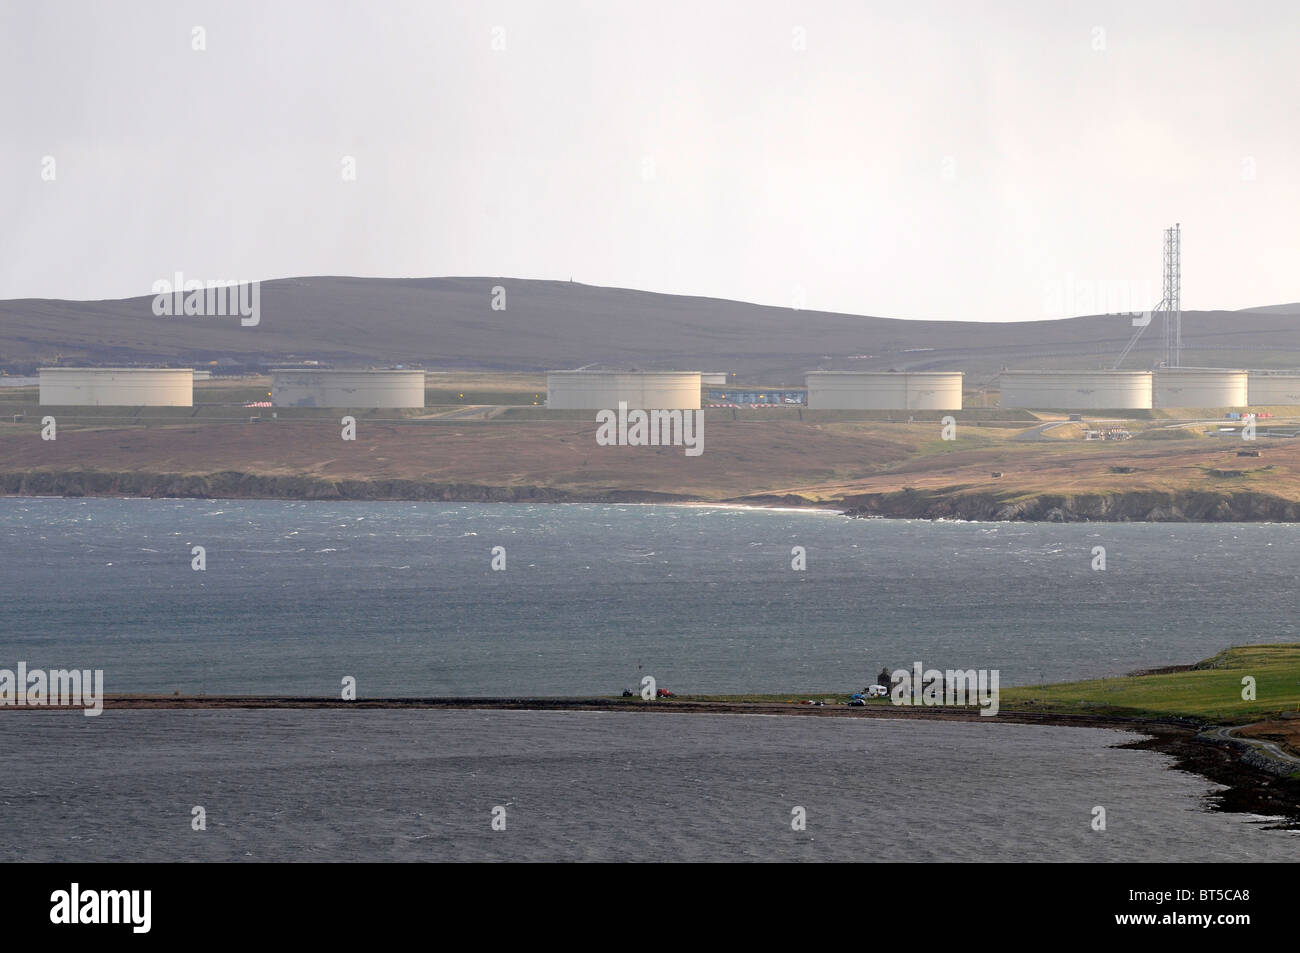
(918, 159)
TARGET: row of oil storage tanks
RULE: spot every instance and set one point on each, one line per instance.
(942, 390)
(1177, 387)
(1060, 389)
(174, 387)
(682, 390)
(591, 389)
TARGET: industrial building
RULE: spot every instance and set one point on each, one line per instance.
(884, 390)
(1077, 390)
(117, 386)
(1199, 387)
(1266, 388)
(321, 387)
(752, 396)
(641, 390)
(714, 379)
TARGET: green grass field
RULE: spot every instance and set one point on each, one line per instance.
(1210, 690)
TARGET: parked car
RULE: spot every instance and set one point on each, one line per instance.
(664, 693)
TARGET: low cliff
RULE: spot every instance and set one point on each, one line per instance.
(1119, 506)
(237, 485)
(943, 503)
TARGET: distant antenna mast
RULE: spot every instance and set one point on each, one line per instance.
(1173, 297)
(1171, 305)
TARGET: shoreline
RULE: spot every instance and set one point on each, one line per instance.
(1247, 786)
(942, 505)
(615, 498)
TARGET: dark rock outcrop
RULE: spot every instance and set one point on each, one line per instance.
(1135, 506)
(237, 485)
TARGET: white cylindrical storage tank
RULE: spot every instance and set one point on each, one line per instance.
(884, 390)
(1076, 390)
(1273, 387)
(117, 386)
(642, 390)
(323, 387)
(1200, 387)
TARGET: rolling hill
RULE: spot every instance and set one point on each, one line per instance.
(450, 322)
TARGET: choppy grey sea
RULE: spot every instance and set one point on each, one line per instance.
(402, 597)
(423, 786)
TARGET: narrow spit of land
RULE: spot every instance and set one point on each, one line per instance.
(1233, 718)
